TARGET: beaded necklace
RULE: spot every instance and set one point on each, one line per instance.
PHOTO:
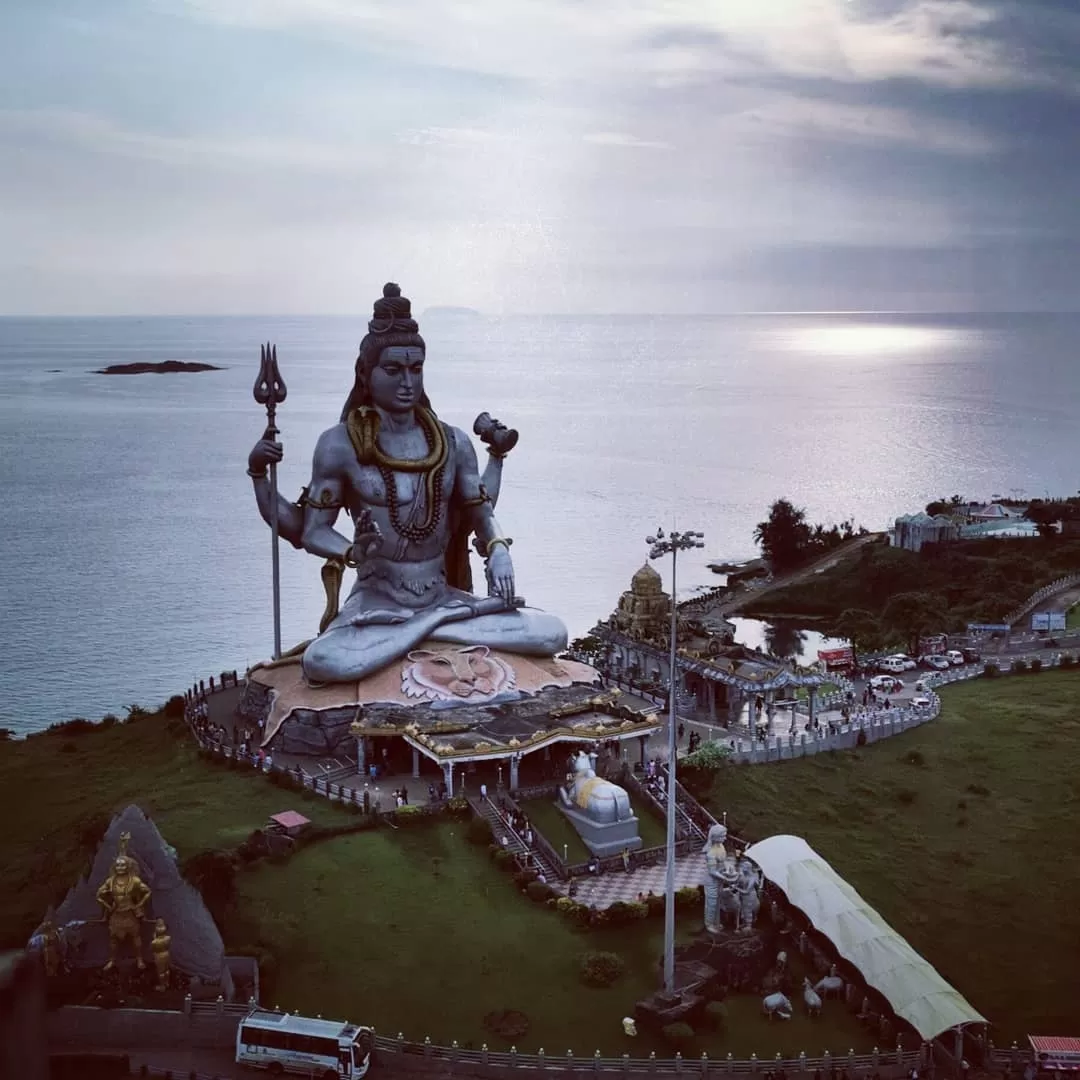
(363, 428)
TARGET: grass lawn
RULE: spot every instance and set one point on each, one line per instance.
(1072, 618)
(416, 931)
(962, 833)
(56, 784)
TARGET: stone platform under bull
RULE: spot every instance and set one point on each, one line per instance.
(604, 838)
(452, 705)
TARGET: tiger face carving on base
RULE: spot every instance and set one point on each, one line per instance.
(469, 673)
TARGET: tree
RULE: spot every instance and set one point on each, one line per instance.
(860, 628)
(1046, 515)
(784, 538)
(945, 506)
(784, 639)
(911, 615)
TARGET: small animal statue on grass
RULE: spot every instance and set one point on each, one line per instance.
(811, 998)
(777, 1006)
(629, 1026)
(831, 985)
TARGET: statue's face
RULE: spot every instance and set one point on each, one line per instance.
(121, 866)
(397, 380)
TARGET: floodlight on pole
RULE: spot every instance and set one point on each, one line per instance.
(660, 545)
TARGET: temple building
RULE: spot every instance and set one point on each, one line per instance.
(717, 678)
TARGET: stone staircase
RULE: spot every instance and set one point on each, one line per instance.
(485, 809)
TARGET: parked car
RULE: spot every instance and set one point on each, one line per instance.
(936, 661)
(892, 665)
(955, 657)
(888, 684)
(908, 662)
(971, 656)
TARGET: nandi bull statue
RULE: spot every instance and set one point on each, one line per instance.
(811, 999)
(777, 1007)
(598, 798)
(598, 809)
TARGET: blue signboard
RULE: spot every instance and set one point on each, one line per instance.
(988, 628)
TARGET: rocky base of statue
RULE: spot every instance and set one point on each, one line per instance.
(741, 959)
(124, 986)
(441, 696)
(694, 983)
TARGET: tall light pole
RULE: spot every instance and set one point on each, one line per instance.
(659, 545)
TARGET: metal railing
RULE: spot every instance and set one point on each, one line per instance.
(1039, 595)
(855, 1064)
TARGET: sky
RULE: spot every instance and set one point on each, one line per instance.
(661, 156)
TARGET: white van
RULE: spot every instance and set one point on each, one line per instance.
(893, 665)
(283, 1043)
(955, 657)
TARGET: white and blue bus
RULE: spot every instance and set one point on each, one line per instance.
(283, 1043)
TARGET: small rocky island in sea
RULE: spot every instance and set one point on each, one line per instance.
(166, 367)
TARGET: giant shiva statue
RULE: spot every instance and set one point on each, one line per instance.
(412, 487)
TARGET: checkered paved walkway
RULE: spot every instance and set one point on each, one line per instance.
(603, 891)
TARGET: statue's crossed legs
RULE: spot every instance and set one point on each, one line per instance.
(371, 633)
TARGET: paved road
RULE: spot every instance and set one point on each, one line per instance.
(826, 562)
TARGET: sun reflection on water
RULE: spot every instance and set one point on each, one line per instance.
(877, 339)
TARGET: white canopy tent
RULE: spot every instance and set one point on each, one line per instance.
(913, 988)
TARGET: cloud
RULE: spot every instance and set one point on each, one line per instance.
(881, 125)
(620, 138)
(101, 135)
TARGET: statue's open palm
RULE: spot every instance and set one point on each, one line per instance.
(500, 574)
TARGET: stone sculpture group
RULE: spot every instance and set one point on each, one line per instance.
(732, 886)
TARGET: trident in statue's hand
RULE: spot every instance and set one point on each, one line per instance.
(270, 390)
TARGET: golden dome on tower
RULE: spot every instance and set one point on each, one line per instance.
(646, 581)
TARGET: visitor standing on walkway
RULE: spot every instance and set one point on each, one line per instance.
(483, 792)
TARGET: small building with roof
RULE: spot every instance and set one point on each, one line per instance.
(912, 531)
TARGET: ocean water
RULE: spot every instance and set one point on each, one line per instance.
(133, 560)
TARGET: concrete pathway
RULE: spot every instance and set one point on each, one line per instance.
(605, 889)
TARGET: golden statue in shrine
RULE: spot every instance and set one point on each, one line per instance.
(123, 897)
(159, 946)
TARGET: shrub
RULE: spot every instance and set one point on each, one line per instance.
(601, 968)
(1018, 667)
(6, 733)
(478, 831)
(990, 670)
(408, 815)
(539, 891)
(1067, 660)
(457, 806)
(503, 860)
(655, 904)
(678, 1034)
(523, 877)
(1035, 666)
(690, 897)
(621, 913)
(174, 708)
(136, 712)
(572, 911)
(716, 1015)
(108, 720)
(78, 726)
